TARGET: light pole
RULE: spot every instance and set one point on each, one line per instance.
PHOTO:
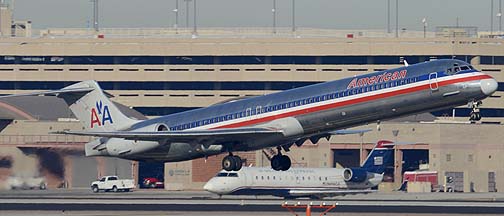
(273, 11)
(500, 16)
(388, 17)
(187, 12)
(397, 20)
(293, 16)
(95, 15)
(491, 16)
(424, 21)
(176, 11)
(195, 28)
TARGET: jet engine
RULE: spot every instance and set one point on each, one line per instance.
(355, 175)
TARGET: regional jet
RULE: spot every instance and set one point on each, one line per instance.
(306, 182)
(280, 119)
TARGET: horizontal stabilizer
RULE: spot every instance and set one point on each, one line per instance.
(52, 92)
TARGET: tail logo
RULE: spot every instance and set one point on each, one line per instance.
(100, 111)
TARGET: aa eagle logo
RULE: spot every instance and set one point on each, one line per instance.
(100, 114)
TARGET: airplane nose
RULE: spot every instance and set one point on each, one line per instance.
(488, 86)
(208, 187)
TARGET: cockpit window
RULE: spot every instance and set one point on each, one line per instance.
(222, 174)
(464, 67)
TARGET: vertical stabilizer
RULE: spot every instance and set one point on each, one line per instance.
(380, 157)
(93, 108)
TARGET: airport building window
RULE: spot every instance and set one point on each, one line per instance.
(183, 60)
(241, 60)
(492, 60)
(293, 59)
(141, 60)
(237, 60)
(448, 157)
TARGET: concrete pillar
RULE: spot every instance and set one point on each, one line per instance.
(5, 20)
(68, 174)
(101, 168)
(398, 157)
(134, 172)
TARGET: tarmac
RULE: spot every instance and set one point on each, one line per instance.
(162, 202)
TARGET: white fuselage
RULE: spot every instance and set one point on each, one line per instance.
(291, 183)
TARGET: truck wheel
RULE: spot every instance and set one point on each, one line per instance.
(95, 189)
(114, 189)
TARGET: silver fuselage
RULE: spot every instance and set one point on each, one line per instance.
(312, 110)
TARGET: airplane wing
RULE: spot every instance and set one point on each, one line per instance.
(327, 193)
(227, 135)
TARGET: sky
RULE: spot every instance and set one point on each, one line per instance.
(334, 14)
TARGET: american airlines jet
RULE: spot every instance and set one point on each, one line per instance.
(281, 119)
(306, 182)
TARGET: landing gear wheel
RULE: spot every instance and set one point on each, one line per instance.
(238, 163)
(286, 162)
(228, 163)
(276, 162)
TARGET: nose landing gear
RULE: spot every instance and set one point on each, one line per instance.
(280, 162)
(475, 112)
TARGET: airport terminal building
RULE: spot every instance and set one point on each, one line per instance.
(154, 76)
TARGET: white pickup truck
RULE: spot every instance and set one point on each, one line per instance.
(112, 183)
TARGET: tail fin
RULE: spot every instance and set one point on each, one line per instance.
(380, 157)
(93, 108)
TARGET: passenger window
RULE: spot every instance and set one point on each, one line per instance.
(233, 175)
(102, 179)
(112, 178)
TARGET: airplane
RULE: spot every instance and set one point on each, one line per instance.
(280, 119)
(314, 183)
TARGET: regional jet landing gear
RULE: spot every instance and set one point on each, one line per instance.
(232, 163)
(475, 112)
(280, 162)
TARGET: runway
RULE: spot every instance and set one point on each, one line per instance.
(155, 202)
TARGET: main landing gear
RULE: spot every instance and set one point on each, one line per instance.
(232, 163)
(280, 162)
(475, 112)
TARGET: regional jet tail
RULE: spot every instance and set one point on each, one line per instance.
(282, 119)
(306, 182)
